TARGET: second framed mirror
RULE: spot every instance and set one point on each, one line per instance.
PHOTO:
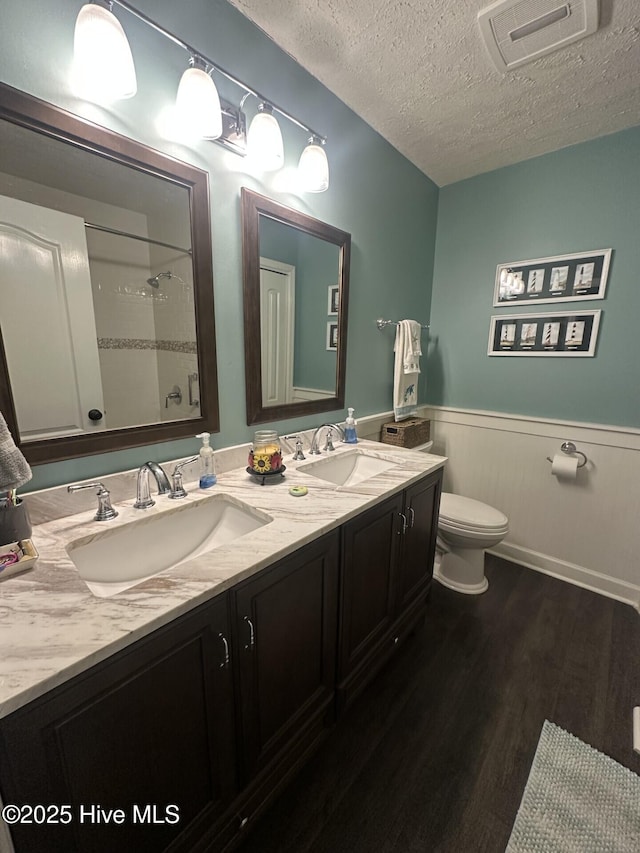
(296, 290)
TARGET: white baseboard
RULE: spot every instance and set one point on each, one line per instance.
(578, 575)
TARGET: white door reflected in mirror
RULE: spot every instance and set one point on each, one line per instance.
(48, 321)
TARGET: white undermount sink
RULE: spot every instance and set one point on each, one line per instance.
(347, 468)
(125, 556)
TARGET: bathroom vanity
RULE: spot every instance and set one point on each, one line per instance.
(194, 697)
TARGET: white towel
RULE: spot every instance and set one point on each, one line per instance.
(411, 351)
(14, 468)
(406, 370)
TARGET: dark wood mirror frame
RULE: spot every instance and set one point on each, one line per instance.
(253, 206)
(44, 118)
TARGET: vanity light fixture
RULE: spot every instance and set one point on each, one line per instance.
(264, 140)
(313, 168)
(198, 102)
(104, 69)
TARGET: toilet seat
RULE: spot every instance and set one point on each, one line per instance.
(460, 514)
(453, 527)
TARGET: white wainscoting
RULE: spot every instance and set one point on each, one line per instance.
(586, 531)
(300, 394)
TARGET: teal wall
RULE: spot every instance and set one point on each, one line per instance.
(316, 265)
(580, 198)
(387, 205)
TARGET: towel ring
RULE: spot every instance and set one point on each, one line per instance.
(569, 447)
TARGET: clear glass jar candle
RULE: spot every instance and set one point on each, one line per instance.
(265, 456)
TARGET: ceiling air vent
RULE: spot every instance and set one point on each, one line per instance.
(519, 31)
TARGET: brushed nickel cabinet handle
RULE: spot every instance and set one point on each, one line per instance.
(404, 523)
(252, 633)
(225, 662)
(413, 516)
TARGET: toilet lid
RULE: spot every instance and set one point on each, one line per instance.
(459, 510)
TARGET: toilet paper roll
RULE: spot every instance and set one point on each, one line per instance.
(564, 467)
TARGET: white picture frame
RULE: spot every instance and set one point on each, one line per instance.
(563, 278)
(561, 334)
(333, 300)
(332, 336)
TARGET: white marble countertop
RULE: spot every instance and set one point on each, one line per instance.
(52, 627)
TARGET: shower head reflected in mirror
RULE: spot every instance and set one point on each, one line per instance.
(155, 281)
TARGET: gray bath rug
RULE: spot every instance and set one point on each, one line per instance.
(577, 800)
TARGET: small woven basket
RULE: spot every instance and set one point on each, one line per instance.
(409, 433)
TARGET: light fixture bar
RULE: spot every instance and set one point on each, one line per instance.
(194, 52)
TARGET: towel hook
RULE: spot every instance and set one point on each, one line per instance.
(569, 447)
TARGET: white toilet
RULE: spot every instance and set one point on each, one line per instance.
(466, 527)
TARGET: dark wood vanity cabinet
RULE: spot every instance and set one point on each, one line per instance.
(149, 732)
(370, 555)
(387, 567)
(418, 542)
(286, 623)
(239, 691)
(207, 718)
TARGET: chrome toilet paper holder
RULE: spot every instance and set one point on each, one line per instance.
(569, 447)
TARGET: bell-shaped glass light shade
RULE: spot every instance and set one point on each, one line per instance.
(313, 168)
(103, 68)
(198, 104)
(264, 140)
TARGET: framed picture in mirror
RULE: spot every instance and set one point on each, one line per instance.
(333, 300)
(332, 336)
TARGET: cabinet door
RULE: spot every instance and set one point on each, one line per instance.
(422, 504)
(151, 728)
(286, 641)
(370, 544)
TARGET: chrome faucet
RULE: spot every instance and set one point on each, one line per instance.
(143, 493)
(105, 510)
(299, 453)
(328, 443)
(177, 489)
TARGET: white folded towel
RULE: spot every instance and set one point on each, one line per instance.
(406, 369)
(14, 468)
(412, 350)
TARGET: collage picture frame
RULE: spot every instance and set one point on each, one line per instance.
(565, 333)
(564, 278)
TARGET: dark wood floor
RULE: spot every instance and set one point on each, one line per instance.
(436, 754)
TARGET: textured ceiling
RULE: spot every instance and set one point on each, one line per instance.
(418, 72)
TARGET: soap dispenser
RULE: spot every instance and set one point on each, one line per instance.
(207, 463)
(350, 435)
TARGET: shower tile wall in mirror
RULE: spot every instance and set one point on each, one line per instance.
(106, 265)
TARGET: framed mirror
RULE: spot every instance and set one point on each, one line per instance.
(106, 288)
(296, 294)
